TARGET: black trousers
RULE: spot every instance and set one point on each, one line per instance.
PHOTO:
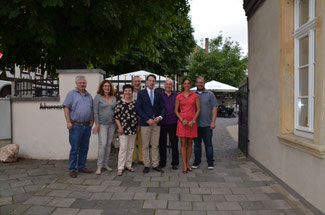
(171, 131)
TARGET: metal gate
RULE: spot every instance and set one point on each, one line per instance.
(242, 100)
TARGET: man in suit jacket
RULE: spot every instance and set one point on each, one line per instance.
(151, 109)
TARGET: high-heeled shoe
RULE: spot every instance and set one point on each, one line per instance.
(189, 169)
(185, 171)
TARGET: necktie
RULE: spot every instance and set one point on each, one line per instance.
(151, 97)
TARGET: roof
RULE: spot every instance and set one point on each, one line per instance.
(218, 87)
(128, 76)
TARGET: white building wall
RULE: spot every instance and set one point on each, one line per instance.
(42, 133)
(303, 172)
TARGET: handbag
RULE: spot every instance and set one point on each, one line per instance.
(116, 140)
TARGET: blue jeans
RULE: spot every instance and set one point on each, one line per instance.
(79, 141)
(204, 133)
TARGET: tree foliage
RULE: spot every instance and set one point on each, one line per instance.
(173, 52)
(224, 62)
(80, 33)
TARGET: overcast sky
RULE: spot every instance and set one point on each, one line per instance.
(210, 17)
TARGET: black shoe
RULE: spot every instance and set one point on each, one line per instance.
(158, 169)
(133, 163)
(146, 170)
(174, 167)
(140, 162)
(161, 166)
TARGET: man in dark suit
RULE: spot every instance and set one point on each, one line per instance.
(151, 109)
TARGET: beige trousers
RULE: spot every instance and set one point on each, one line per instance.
(126, 151)
(150, 136)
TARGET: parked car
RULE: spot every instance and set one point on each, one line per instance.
(5, 88)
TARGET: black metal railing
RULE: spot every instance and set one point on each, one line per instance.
(36, 87)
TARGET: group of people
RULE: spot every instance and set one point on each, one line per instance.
(143, 118)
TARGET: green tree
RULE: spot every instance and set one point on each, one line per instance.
(82, 33)
(173, 52)
(224, 62)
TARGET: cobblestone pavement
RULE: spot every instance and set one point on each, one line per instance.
(236, 186)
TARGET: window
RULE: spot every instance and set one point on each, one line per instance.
(304, 49)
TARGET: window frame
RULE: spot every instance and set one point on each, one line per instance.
(307, 29)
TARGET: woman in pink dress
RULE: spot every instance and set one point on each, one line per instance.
(187, 109)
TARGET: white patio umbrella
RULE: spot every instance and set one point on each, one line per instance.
(218, 87)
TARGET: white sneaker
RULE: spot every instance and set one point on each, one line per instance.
(195, 166)
(210, 167)
(98, 171)
(108, 168)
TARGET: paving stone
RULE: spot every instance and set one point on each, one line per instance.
(137, 189)
(276, 204)
(219, 213)
(204, 206)
(84, 204)
(251, 205)
(178, 178)
(61, 202)
(179, 205)
(137, 211)
(101, 196)
(257, 197)
(169, 184)
(79, 195)
(75, 181)
(5, 201)
(11, 192)
(141, 178)
(96, 188)
(155, 204)
(17, 176)
(77, 187)
(228, 206)
(223, 191)
(168, 212)
(59, 193)
(237, 190)
(168, 196)
(127, 204)
(264, 189)
(90, 211)
(39, 210)
(111, 183)
(115, 189)
(214, 198)
(149, 184)
(194, 213)
(21, 197)
(58, 186)
(236, 198)
(195, 190)
(189, 184)
(145, 196)
(21, 183)
(161, 178)
(244, 212)
(158, 189)
(43, 192)
(208, 184)
(92, 182)
(179, 190)
(226, 185)
(8, 209)
(276, 196)
(33, 188)
(38, 200)
(65, 211)
(191, 197)
(123, 196)
(131, 183)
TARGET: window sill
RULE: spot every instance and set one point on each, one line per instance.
(302, 144)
